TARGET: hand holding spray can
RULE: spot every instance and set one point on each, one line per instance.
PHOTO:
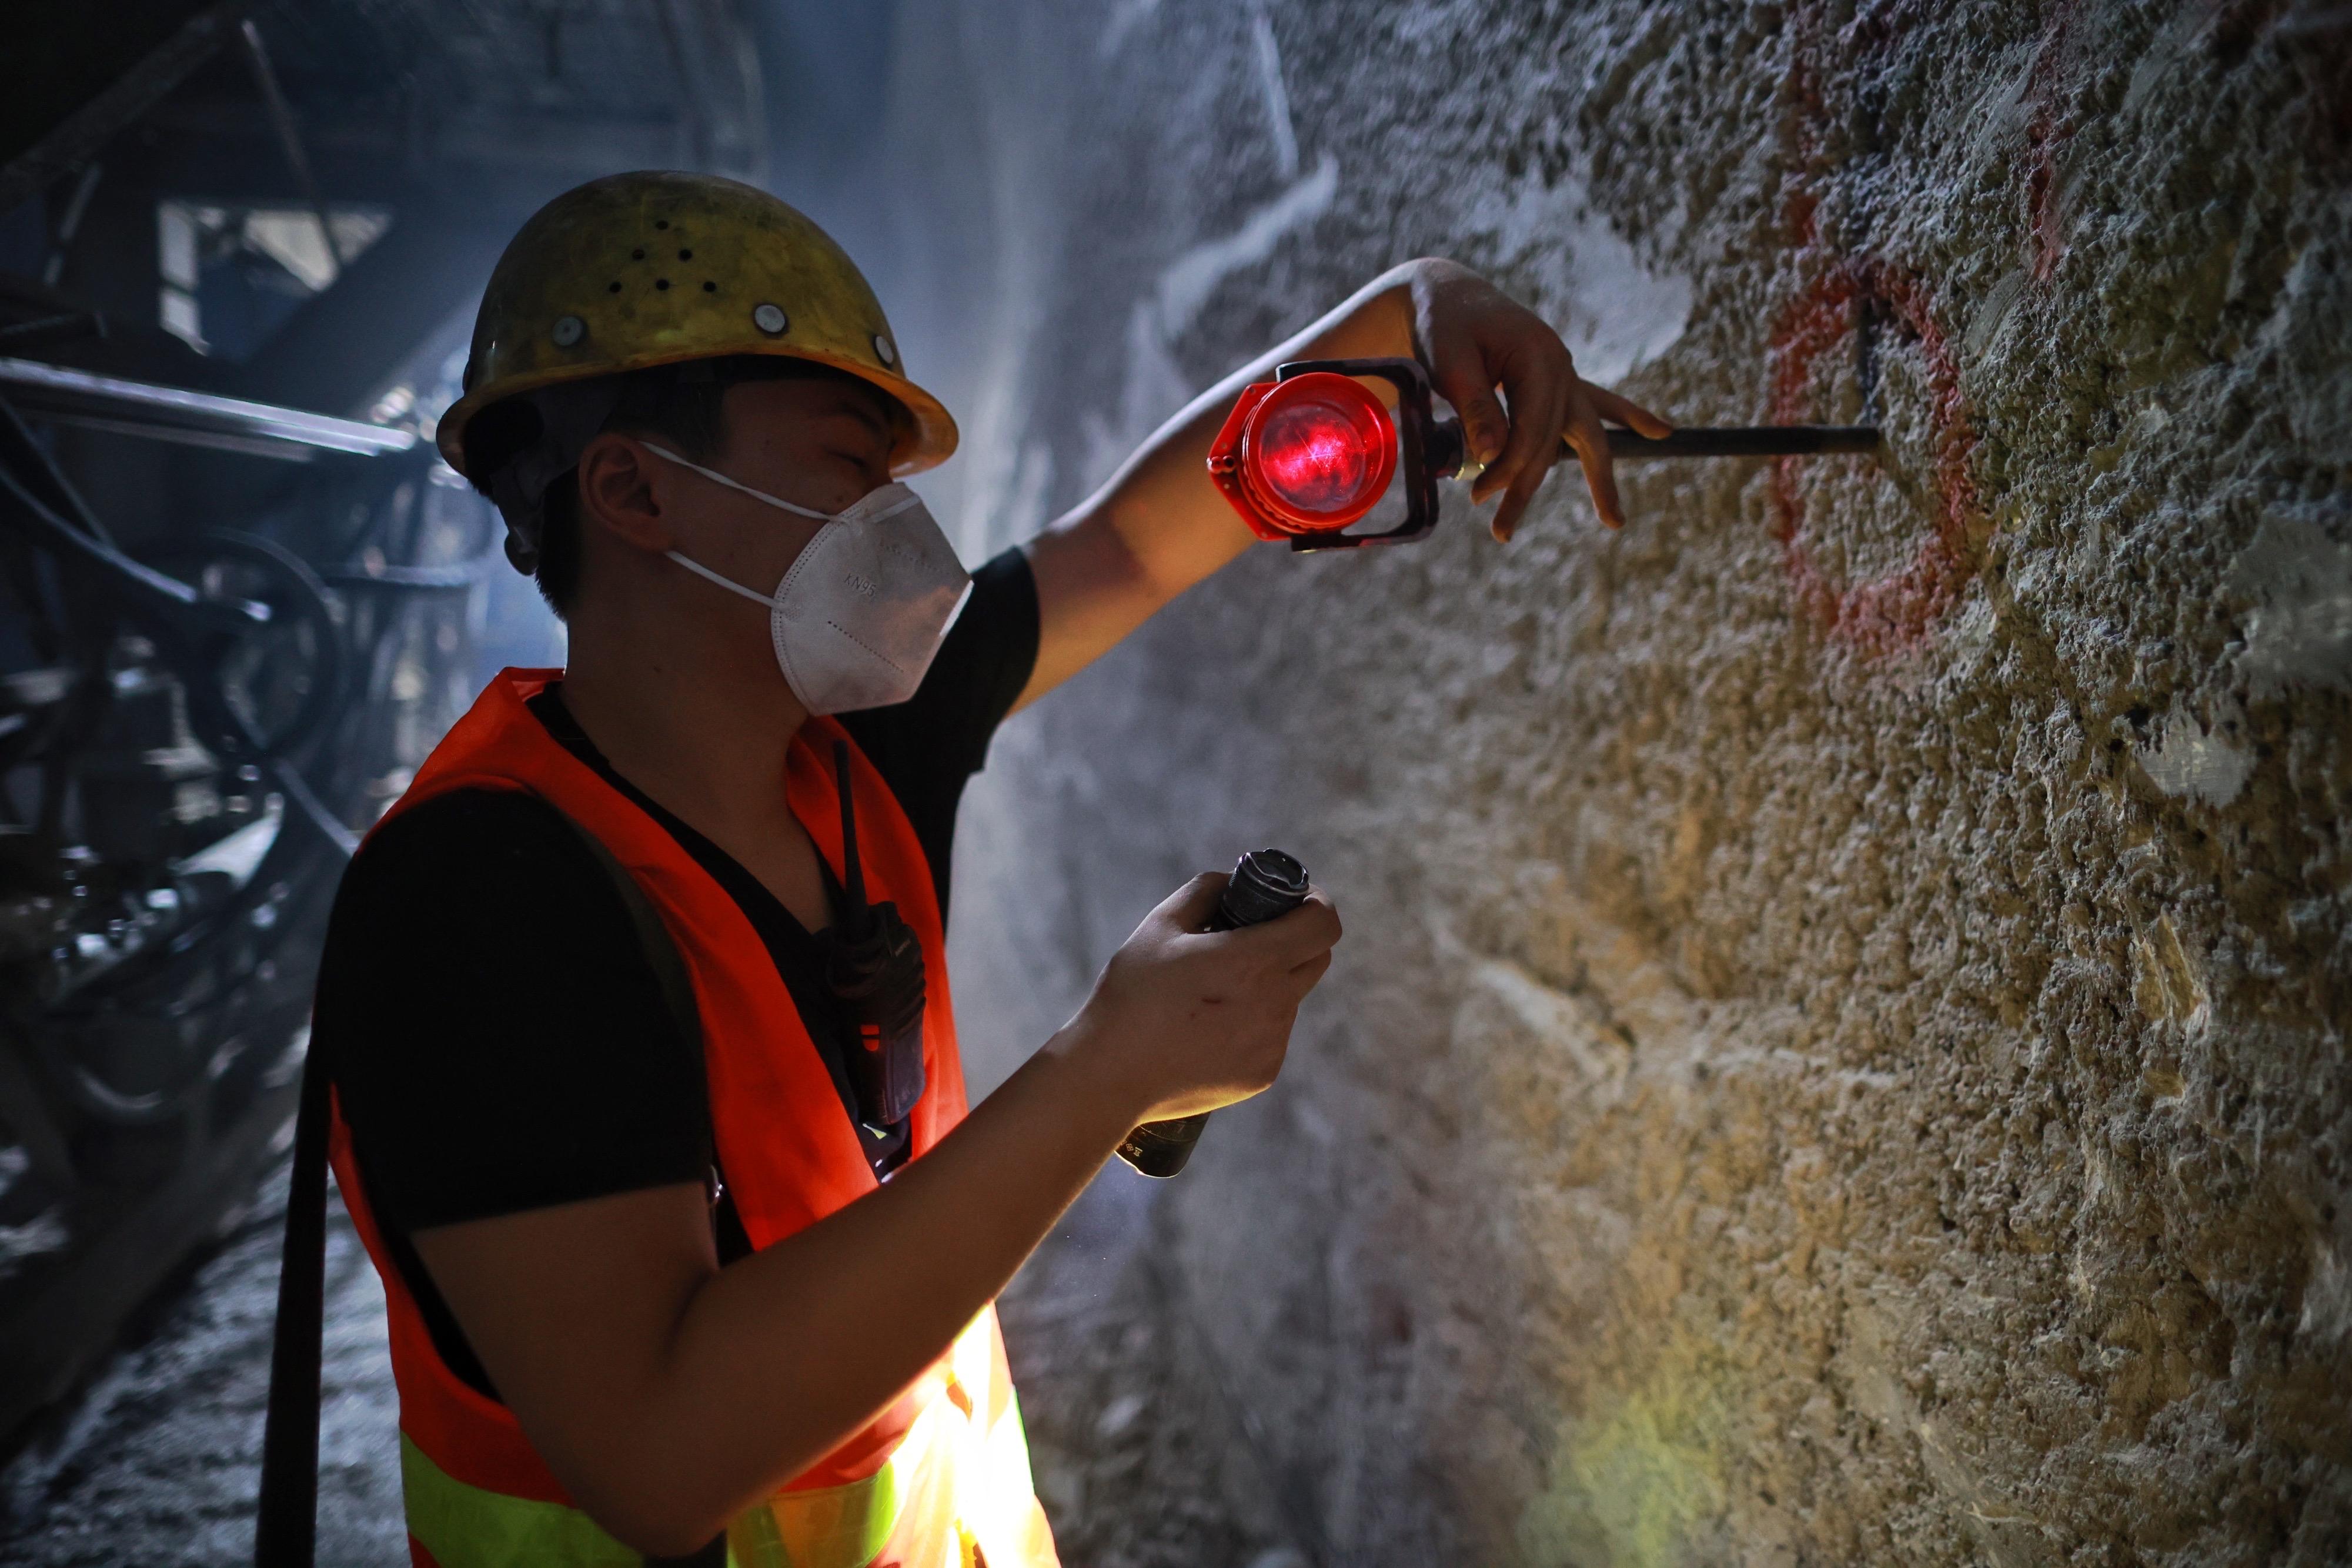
(1266, 884)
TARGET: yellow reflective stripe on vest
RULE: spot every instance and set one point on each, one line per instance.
(949, 1479)
(833, 1527)
(824, 1527)
(468, 1527)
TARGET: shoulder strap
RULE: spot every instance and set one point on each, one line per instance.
(655, 941)
(287, 1523)
(286, 1529)
(677, 990)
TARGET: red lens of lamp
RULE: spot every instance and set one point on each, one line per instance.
(1319, 452)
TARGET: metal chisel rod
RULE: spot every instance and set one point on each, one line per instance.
(1745, 441)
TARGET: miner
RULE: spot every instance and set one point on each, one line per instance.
(648, 1105)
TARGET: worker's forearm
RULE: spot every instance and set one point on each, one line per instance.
(778, 1356)
(667, 1393)
(1158, 525)
(1161, 501)
(1163, 490)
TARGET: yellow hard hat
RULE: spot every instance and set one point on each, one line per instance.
(657, 268)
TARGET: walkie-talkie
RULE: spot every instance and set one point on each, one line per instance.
(874, 967)
(1266, 884)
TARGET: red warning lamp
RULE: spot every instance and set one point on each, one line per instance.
(1303, 455)
(1308, 455)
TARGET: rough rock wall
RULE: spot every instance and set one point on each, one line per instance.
(1840, 1050)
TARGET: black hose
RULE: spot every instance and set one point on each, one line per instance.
(322, 821)
(459, 575)
(149, 589)
(32, 462)
(296, 597)
(104, 1101)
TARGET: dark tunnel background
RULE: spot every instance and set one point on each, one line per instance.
(294, 207)
(1838, 1055)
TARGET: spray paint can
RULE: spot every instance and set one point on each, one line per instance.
(1266, 884)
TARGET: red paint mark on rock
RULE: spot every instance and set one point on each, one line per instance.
(2231, 28)
(1892, 613)
(2041, 198)
(2046, 132)
(1820, 48)
(1801, 130)
(2049, 126)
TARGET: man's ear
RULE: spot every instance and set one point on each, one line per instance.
(618, 492)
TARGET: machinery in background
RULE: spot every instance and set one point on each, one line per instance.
(190, 740)
(218, 665)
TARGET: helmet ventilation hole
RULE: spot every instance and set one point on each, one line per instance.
(644, 268)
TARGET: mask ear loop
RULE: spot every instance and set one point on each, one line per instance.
(718, 478)
(696, 567)
(728, 583)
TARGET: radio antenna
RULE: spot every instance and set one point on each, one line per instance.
(852, 874)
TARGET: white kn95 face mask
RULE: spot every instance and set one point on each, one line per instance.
(863, 608)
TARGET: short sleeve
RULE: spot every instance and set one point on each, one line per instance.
(496, 1033)
(928, 747)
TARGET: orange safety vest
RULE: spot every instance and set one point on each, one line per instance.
(941, 1478)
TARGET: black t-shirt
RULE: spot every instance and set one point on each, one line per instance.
(497, 1032)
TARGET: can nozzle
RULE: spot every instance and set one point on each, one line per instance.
(1266, 884)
